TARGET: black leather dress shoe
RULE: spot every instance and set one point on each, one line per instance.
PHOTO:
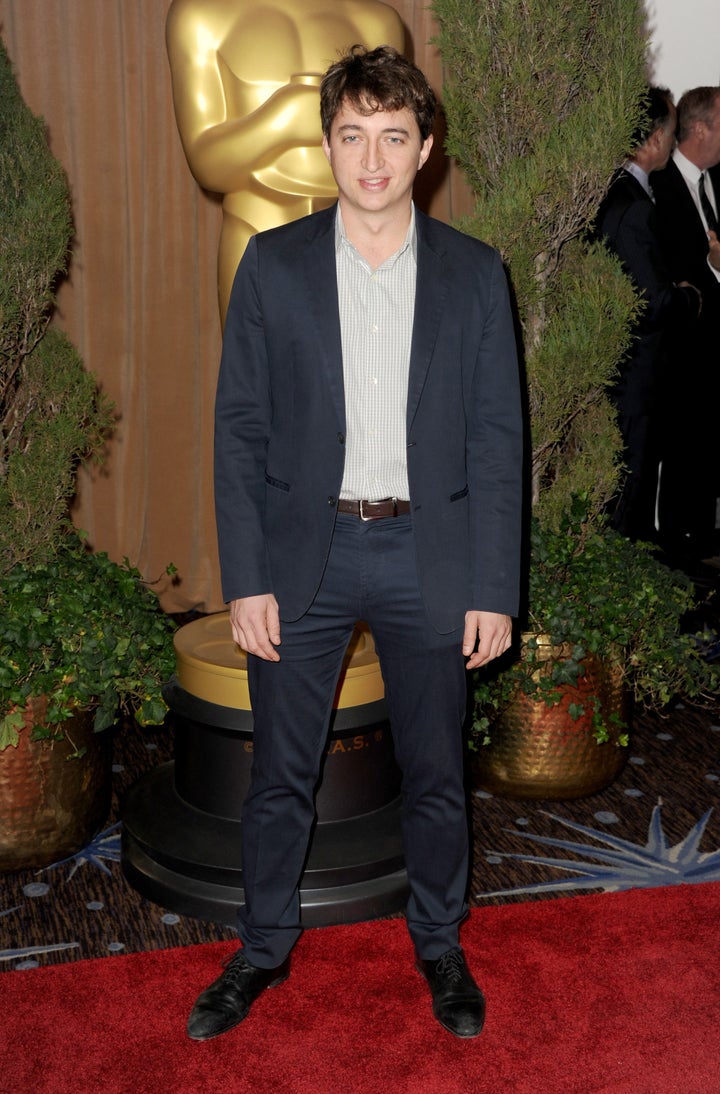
(227, 1001)
(457, 1001)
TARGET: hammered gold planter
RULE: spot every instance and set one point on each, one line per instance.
(52, 803)
(540, 751)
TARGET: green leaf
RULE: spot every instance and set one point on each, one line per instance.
(106, 711)
(9, 727)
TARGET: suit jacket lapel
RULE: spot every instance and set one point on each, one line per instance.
(320, 278)
(636, 186)
(686, 207)
(430, 295)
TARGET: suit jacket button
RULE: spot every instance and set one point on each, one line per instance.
(341, 438)
(331, 501)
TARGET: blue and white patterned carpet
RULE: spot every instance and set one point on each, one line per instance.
(657, 824)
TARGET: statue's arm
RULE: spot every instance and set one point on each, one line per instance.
(222, 149)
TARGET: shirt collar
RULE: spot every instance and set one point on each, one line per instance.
(638, 173)
(690, 171)
(341, 239)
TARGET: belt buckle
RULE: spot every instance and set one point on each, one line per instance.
(369, 517)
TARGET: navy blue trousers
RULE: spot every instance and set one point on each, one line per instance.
(370, 575)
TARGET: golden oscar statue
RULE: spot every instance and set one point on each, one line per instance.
(245, 78)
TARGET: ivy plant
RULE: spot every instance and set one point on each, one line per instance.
(83, 632)
(594, 594)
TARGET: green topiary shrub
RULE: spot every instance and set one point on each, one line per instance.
(541, 98)
(52, 415)
(75, 627)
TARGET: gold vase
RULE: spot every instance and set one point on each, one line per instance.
(53, 802)
(541, 751)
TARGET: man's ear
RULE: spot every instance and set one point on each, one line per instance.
(425, 151)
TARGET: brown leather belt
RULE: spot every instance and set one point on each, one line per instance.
(374, 510)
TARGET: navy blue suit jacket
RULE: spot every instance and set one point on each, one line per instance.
(628, 222)
(690, 481)
(683, 236)
(280, 422)
(685, 245)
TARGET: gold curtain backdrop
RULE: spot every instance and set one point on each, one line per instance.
(140, 302)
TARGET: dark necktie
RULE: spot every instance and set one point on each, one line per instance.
(707, 208)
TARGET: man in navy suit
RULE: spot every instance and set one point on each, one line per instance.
(687, 193)
(368, 466)
(627, 221)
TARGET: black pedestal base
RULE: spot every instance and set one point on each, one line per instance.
(182, 823)
(189, 861)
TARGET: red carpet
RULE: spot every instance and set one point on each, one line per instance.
(611, 993)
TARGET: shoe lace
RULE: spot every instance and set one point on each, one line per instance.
(451, 965)
(235, 967)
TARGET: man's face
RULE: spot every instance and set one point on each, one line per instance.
(375, 158)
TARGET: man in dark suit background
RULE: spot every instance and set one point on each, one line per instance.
(628, 223)
(690, 472)
(368, 466)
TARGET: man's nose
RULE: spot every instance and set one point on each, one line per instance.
(373, 156)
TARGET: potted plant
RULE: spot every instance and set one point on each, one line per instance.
(82, 642)
(604, 630)
(81, 637)
(83, 633)
(542, 98)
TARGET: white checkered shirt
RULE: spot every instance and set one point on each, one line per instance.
(376, 323)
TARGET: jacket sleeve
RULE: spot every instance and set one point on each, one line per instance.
(495, 457)
(242, 423)
(636, 241)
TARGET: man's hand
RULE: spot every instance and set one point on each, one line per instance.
(255, 624)
(491, 631)
(714, 253)
(695, 289)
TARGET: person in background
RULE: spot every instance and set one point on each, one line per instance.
(627, 222)
(687, 193)
(368, 466)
